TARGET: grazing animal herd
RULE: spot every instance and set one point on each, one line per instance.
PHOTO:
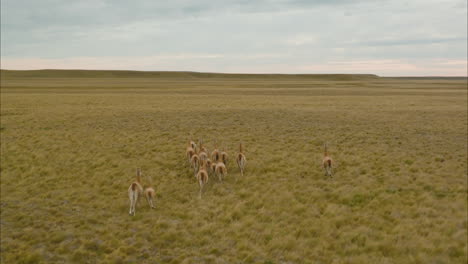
(203, 166)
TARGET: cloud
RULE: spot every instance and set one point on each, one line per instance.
(299, 40)
(239, 32)
(405, 42)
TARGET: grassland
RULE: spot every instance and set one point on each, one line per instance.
(71, 140)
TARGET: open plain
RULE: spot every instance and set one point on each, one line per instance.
(72, 140)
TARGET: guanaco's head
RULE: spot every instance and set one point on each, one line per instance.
(138, 175)
(325, 146)
(192, 144)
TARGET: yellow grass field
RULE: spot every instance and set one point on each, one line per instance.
(72, 140)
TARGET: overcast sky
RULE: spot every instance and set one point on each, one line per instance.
(388, 38)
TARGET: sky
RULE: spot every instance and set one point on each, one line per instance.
(383, 37)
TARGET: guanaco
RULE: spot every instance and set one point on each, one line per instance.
(134, 192)
(213, 167)
(190, 150)
(215, 154)
(327, 162)
(202, 177)
(150, 193)
(224, 157)
(241, 160)
(202, 154)
(202, 148)
(193, 145)
(195, 163)
(208, 165)
(220, 170)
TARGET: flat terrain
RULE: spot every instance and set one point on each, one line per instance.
(72, 140)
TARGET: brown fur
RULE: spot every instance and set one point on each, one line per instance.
(202, 148)
(150, 194)
(215, 153)
(327, 163)
(195, 163)
(203, 156)
(190, 150)
(138, 177)
(208, 165)
(189, 153)
(213, 167)
(241, 160)
(192, 144)
(220, 170)
(134, 192)
(224, 157)
(202, 177)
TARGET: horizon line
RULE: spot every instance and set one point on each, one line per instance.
(238, 73)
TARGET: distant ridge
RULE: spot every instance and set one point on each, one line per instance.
(169, 74)
(430, 78)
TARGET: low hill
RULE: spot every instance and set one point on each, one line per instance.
(170, 74)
